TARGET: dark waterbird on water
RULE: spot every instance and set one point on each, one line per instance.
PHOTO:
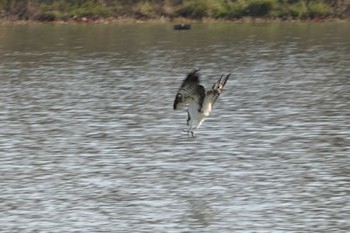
(199, 99)
(182, 26)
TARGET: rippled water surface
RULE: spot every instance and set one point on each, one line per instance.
(89, 141)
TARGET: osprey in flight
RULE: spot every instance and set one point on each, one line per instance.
(200, 101)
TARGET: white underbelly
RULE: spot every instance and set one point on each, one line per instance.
(196, 117)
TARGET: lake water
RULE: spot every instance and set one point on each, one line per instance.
(89, 141)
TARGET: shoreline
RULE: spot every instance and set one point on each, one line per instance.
(166, 20)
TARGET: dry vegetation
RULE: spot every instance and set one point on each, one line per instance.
(51, 10)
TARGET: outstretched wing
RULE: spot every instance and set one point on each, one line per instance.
(190, 91)
(213, 94)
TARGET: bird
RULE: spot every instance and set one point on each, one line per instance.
(199, 100)
(182, 26)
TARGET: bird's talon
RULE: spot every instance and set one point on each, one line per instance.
(188, 131)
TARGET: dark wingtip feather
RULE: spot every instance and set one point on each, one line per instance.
(226, 78)
(221, 82)
(193, 76)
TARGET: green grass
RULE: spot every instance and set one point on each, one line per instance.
(305, 10)
(68, 9)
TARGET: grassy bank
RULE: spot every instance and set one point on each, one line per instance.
(94, 10)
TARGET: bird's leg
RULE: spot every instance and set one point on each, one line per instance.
(192, 133)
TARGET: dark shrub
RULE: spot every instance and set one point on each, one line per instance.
(259, 8)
